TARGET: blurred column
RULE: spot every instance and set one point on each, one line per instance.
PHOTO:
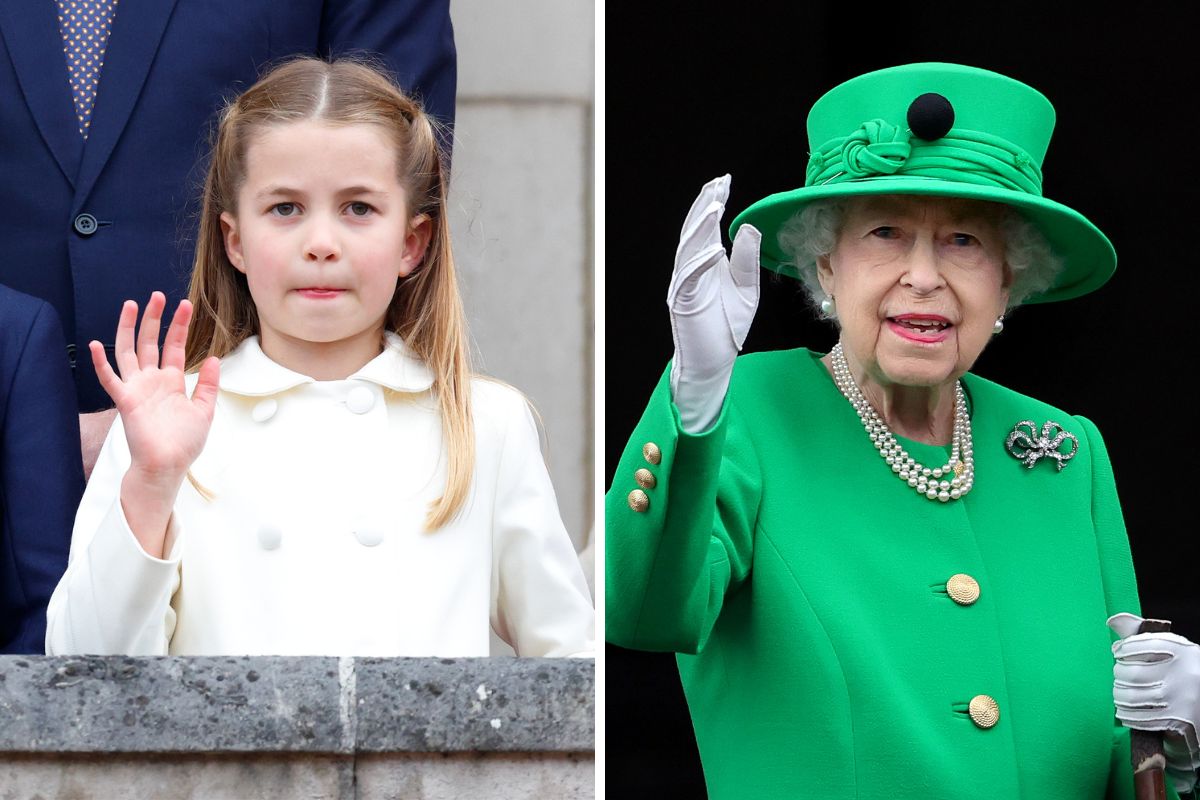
(521, 217)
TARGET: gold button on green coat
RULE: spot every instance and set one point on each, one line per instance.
(638, 500)
(963, 589)
(644, 478)
(805, 590)
(984, 711)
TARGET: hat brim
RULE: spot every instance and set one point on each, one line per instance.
(1089, 258)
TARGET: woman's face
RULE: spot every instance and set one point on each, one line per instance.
(918, 283)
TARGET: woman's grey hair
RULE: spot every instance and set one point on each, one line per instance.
(813, 232)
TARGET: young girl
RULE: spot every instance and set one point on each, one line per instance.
(327, 478)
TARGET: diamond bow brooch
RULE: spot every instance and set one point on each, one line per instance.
(1025, 445)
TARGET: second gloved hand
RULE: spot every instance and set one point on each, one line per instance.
(712, 300)
(1156, 687)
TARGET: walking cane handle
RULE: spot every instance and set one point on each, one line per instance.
(1146, 747)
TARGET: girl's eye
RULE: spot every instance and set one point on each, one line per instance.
(360, 209)
(283, 209)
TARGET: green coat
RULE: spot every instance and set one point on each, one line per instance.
(804, 587)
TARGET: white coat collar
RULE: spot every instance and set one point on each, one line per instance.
(248, 370)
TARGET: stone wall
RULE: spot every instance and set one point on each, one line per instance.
(118, 728)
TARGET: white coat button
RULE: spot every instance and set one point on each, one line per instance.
(368, 537)
(264, 410)
(269, 537)
(360, 400)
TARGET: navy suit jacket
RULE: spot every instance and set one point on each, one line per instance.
(88, 225)
(41, 470)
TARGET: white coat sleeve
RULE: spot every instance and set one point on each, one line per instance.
(540, 601)
(114, 598)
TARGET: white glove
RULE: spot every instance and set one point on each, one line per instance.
(712, 300)
(1156, 687)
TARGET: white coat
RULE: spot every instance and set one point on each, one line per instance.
(313, 541)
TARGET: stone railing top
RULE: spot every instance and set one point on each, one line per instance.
(171, 704)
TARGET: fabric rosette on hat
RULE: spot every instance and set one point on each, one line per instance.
(943, 130)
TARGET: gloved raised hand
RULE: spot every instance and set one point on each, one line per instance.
(1156, 687)
(712, 300)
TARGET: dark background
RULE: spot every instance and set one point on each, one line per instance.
(695, 92)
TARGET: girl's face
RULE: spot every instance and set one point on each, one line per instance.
(323, 232)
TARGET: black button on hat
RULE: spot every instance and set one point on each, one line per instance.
(930, 116)
(85, 224)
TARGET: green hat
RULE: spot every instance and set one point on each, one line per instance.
(944, 130)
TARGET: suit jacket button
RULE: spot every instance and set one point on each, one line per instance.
(651, 453)
(264, 410)
(984, 711)
(360, 400)
(85, 224)
(368, 537)
(963, 589)
(638, 500)
(269, 537)
(645, 479)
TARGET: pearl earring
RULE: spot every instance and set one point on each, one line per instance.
(828, 310)
(999, 326)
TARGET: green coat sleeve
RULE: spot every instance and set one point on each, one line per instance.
(669, 567)
(1120, 586)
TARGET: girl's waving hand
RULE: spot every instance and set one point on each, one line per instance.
(166, 429)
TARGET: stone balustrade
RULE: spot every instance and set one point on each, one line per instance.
(244, 728)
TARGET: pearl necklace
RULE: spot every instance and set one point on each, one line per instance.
(936, 483)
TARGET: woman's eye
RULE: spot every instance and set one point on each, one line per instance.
(964, 240)
(360, 209)
(885, 232)
(283, 209)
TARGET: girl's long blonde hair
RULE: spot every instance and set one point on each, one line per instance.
(426, 309)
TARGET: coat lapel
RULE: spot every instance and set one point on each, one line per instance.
(137, 30)
(34, 43)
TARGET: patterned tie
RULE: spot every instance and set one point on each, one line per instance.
(85, 25)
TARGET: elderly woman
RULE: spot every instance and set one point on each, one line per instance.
(839, 546)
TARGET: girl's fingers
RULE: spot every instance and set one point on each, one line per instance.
(147, 340)
(104, 371)
(175, 345)
(205, 395)
(126, 357)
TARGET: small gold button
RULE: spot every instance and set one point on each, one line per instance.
(984, 711)
(651, 453)
(645, 479)
(638, 500)
(963, 589)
